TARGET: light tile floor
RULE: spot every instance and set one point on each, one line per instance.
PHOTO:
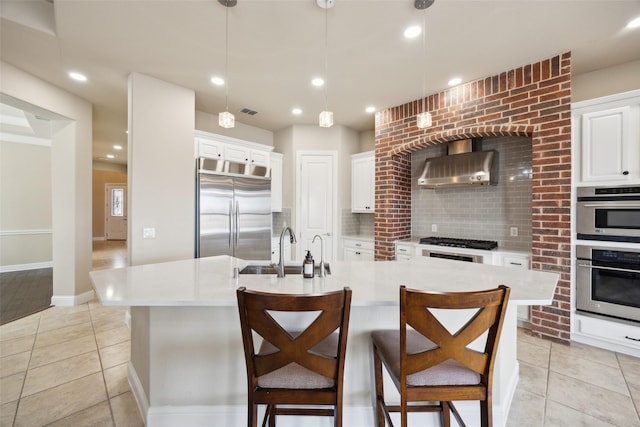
(574, 385)
(67, 366)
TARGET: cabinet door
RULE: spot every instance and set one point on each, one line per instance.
(210, 149)
(363, 184)
(353, 254)
(259, 157)
(404, 252)
(276, 182)
(238, 154)
(608, 151)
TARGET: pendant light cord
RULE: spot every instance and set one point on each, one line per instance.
(424, 56)
(326, 55)
(226, 58)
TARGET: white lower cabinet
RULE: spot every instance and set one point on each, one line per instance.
(519, 261)
(611, 335)
(404, 252)
(357, 249)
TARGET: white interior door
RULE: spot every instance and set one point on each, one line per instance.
(316, 198)
(116, 212)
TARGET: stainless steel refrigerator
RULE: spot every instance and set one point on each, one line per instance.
(233, 205)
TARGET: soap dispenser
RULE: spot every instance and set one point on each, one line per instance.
(308, 266)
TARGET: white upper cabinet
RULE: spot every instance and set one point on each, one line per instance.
(606, 133)
(213, 146)
(210, 149)
(240, 154)
(276, 182)
(363, 182)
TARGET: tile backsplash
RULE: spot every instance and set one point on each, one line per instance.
(487, 212)
(354, 224)
(279, 219)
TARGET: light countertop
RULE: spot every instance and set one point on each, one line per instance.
(210, 282)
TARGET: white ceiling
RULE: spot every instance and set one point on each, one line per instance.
(277, 46)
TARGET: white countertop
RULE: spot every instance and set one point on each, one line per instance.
(362, 237)
(209, 282)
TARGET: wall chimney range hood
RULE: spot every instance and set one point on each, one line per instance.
(465, 164)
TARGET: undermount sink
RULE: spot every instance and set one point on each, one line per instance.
(288, 269)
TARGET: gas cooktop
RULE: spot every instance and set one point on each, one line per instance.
(459, 243)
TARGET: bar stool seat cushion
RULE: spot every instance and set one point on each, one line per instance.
(446, 373)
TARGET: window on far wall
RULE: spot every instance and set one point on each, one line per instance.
(117, 199)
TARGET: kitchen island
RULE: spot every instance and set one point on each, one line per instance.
(187, 363)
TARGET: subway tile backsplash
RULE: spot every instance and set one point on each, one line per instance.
(357, 224)
(279, 219)
(486, 213)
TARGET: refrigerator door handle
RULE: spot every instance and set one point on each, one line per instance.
(237, 222)
(230, 219)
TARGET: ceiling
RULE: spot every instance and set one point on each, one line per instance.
(275, 48)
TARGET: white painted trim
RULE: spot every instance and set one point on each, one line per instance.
(236, 415)
(70, 301)
(25, 267)
(25, 232)
(229, 140)
(138, 392)
(25, 139)
(354, 416)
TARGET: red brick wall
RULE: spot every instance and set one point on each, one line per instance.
(533, 101)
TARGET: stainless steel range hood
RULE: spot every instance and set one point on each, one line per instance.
(465, 164)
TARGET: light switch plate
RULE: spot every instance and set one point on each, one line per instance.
(148, 233)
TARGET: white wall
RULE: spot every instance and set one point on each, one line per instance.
(209, 123)
(25, 206)
(161, 172)
(71, 178)
(607, 81)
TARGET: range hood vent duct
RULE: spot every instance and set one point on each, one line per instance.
(465, 164)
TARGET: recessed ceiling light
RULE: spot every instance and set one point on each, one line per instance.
(634, 23)
(296, 111)
(412, 32)
(455, 81)
(370, 109)
(78, 76)
(110, 156)
(218, 81)
(317, 82)
(117, 147)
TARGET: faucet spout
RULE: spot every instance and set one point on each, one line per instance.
(292, 239)
(321, 273)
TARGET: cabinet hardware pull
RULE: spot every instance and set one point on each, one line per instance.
(631, 338)
(625, 173)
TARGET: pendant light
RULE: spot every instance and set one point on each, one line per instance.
(326, 116)
(225, 118)
(423, 120)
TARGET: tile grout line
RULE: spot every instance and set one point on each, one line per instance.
(626, 383)
(26, 372)
(104, 380)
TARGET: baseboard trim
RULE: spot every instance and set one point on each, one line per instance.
(24, 267)
(138, 392)
(70, 301)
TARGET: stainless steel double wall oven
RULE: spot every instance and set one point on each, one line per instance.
(608, 276)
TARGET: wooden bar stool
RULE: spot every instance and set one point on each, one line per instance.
(429, 364)
(297, 367)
